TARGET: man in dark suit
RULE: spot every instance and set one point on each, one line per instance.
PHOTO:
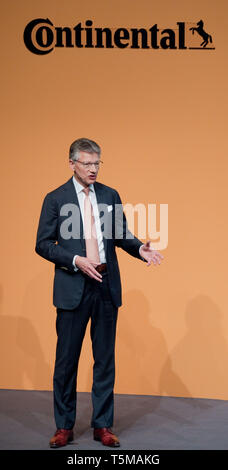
(81, 224)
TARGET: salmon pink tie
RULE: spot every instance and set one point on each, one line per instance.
(92, 251)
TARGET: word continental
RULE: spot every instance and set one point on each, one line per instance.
(41, 37)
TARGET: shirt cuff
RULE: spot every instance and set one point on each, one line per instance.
(75, 267)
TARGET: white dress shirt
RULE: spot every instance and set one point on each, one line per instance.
(81, 198)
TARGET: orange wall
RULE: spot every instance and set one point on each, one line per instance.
(160, 117)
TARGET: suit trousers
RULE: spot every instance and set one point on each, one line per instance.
(96, 305)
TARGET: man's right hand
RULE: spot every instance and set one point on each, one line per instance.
(88, 267)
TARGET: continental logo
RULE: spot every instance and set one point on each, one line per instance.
(41, 37)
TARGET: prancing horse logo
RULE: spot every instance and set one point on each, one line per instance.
(206, 37)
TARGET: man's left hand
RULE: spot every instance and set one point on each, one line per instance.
(150, 255)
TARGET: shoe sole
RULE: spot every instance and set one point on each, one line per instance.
(107, 445)
(56, 446)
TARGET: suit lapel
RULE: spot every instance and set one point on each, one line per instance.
(100, 195)
(73, 198)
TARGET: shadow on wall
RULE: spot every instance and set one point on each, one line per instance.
(25, 366)
(197, 365)
(200, 358)
(142, 352)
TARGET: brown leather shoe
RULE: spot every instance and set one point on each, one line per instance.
(106, 436)
(61, 438)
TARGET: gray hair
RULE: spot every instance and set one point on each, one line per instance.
(83, 145)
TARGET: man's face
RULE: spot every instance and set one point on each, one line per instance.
(86, 174)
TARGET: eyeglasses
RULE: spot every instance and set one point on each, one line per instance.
(88, 165)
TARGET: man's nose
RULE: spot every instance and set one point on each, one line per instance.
(93, 167)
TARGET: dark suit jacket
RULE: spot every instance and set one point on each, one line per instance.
(50, 244)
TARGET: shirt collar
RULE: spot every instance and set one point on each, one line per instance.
(79, 187)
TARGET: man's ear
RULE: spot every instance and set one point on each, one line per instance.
(71, 165)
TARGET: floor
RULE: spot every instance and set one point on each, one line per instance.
(141, 422)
